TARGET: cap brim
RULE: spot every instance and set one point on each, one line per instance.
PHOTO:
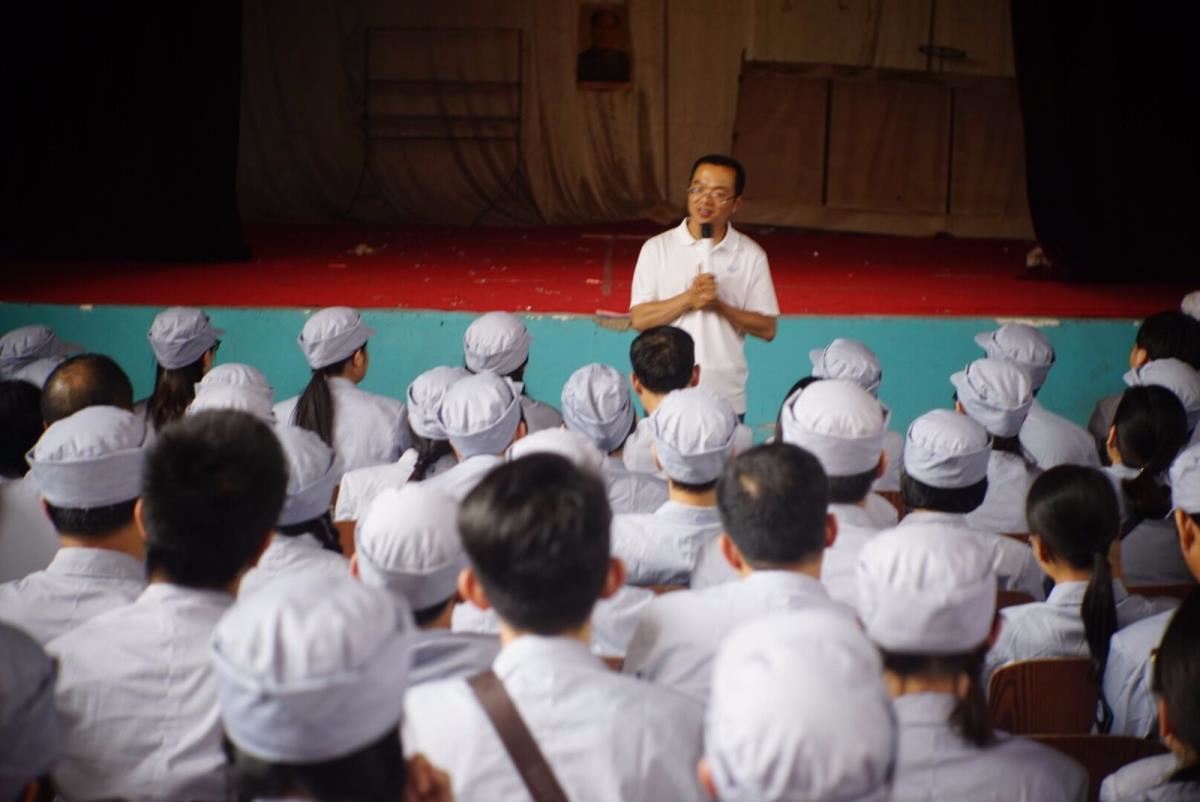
(814, 356)
(983, 338)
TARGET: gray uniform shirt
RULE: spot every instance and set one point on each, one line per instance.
(1137, 778)
(1127, 676)
(288, 555)
(442, 654)
(368, 428)
(1050, 440)
(28, 541)
(632, 491)
(663, 547)
(1003, 508)
(460, 480)
(539, 416)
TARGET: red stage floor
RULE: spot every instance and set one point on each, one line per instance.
(582, 270)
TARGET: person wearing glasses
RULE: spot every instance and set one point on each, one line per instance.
(709, 280)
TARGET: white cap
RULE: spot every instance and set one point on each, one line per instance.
(1190, 305)
(311, 668)
(237, 374)
(799, 713)
(576, 447)
(839, 422)
(849, 360)
(407, 542)
(1177, 376)
(1185, 480)
(238, 397)
(331, 335)
(37, 371)
(693, 435)
(480, 414)
(497, 341)
(180, 335)
(313, 470)
(26, 344)
(92, 458)
(947, 450)
(926, 589)
(425, 396)
(996, 394)
(30, 728)
(596, 401)
(1050, 441)
(1024, 346)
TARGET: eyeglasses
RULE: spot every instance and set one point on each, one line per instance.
(721, 195)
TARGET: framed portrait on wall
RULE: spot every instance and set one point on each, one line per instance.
(604, 60)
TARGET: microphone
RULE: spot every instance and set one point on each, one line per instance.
(706, 247)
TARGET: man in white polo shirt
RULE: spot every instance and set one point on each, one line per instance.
(709, 280)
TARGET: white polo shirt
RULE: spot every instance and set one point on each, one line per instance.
(667, 266)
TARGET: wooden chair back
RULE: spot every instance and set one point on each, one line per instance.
(1101, 755)
(1011, 598)
(1044, 696)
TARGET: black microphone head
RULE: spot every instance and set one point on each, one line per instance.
(706, 231)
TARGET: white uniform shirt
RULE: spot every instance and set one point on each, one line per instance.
(638, 457)
(666, 267)
(360, 486)
(893, 446)
(1150, 555)
(606, 737)
(442, 654)
(663, 547)
(368, 429)
(1051, 440)
(1138, 777)
(138, 700)
(1127, 676)
(679, 633)
(288, 555)
(882, 512)
(933, 763)
(855, 530)
(28, 541)
(1003, 508)
(459, 481)
(1170, 792)
(79, 584)
(1054, 628)
(539, 416)
(631, 491)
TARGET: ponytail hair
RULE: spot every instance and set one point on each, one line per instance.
(314, 408)
(173, 391)
(970, 718)
(429, 451)
(321, 528)
(1151, 428)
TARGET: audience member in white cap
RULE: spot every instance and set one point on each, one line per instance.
(851, 360)
(27, 344)
(927, 598)
(481, 416)
(1046, 439)
(1190, 305)
(773, 501)
(88, 470)
(498, 342)
(693, 439)
(1148, 432)
(30, 728)
(798, 713)
(1074, 520)
(663, 359)
(363, 428)
(997, 395)
(1177, 376)
(185, 346)
(536, 533)
(407, 543)
(39, 370)
(304, 538)
(596, 402)
(1166, 335)
(946, 458)
(237, 374)
(429, 456)
(310, 677)
(136, 687)
(232, 396)
(1126, 680)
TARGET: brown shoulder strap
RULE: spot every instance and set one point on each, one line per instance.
(518, 741)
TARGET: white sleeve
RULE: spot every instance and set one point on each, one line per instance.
(760, 294)
(645, 274)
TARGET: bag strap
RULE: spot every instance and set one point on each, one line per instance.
(531, 764)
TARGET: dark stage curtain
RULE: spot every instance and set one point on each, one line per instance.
(1107, 94)
(119, 132)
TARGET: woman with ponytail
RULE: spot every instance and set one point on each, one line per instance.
(1074, 519)
(363, 428)
(927, 598)
(185, 346)
(1148, 431)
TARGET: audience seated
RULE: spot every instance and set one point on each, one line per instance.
(27, 540)
(27, 344)
(499, 342)
(185, 345)
(30, 728)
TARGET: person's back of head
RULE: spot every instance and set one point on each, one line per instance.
(1149, 428)
(20, 425)
(213, 488)
(1176, 684)
(1168, 335)
(481, 415)
(424, 398)
(997, 395)
(334, 343)
(497, 342)
(848, 360)
(773, 501)
(663, 359)
(693, 438)
(85, 380)
(1024, 346)
(184, 343)
(596, 402)
(1175, 375)
(314, 470)
(536, 532)
(30, 728)
(945, 463)
(1185, 500)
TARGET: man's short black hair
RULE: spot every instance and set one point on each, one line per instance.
(90, 522)
(536, 531)
(20, 425)
(663, 358)
(919, 496)
(1171, 335)
(213, 487)
(85, 380)
(851, 489)
(721, 160)
(773, 500)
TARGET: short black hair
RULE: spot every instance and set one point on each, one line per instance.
(694, 487)
(536, 531)
(773, 500)
(375, 773)
(85, 380)
(20, 425)
(1176, 675)
(1171, 335)
(91, 522)
(721, 160)
(212, 489)
(663, 358)
(851, 489)
(919, 496)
